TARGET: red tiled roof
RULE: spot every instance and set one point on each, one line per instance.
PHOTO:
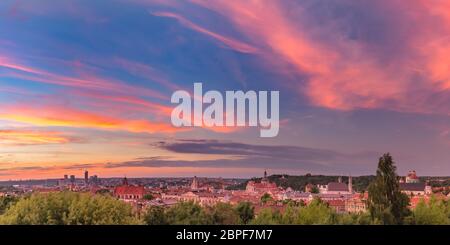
(334, 203)
(412, 186)
(336, 186)
(129, 190)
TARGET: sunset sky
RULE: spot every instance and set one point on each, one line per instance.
(87, 85)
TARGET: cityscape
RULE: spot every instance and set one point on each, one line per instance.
(264, 194)
(242, 112)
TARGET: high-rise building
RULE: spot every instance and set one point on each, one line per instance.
(72, 179)
(86, 177)
(66, 178)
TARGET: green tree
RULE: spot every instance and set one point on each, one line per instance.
(433, 213)
(188, 213)
(155, 215)
(246, 211)
(148, 197)
(290, 213)
(266, 198)
(224, 214)
(6, 202)
(267, 217)
(316, 213)
(315, 190)
(386, 202)
(68, 208)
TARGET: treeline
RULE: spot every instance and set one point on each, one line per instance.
(298, 183)
(68, 208)
(65, 208)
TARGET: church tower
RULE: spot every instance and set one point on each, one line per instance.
(194, 185)
(350, 184)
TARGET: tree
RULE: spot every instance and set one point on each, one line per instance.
(290, 213)
(224, 214)
(148, 197)
(266, 198)
(387, 204)
(267, 217)
(433, 213)
(246, 211)
(188, 213)
(155, 215)
(6, 202)
(314, 190)
(316, 213)
(68, 208)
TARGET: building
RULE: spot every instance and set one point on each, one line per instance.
(337, 187)
(415, 189)
(194, 184)
(203, 198)
(412, 186)
(128, 192)
(86, 177)
(412, 177)
(309, 188)
(93, 180)
(337, 205)
(356, 204)
(72, 179)
(265, 186)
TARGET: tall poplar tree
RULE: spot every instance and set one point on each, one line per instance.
(387, 204)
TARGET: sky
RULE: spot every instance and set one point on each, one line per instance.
(86, 85)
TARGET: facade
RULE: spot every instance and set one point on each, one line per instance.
(337, 205)
(356, 204)
(265, 186)
(128, 192)
(415, 189)
(411, 185)
(194, 185)
(337, 187)
(412, 177)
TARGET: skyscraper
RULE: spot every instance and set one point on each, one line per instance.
(86, 177)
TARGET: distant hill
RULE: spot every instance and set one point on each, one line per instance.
(360, 183)
(298, 183)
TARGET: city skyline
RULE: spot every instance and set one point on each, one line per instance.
(84, 85)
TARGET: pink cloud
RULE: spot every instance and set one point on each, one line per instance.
(344, 74)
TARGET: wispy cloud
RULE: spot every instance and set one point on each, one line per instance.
(227, 41)
(70, 117)
(33, 137)
(273, 152)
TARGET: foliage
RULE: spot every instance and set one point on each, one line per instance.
(148, 197)
(315, 190)
(224, 214)
(6, 202)
(316, 213)
(386, 202)
(155, 215)
(266, 198)
(245, 211)
(433, 213)
(188, 213)
(267, 217)
(68, 208)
